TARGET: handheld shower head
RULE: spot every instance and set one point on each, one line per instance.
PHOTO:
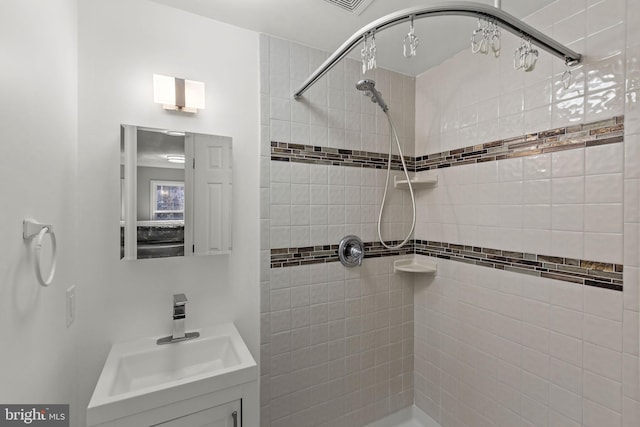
(368, 86)
(365, 85)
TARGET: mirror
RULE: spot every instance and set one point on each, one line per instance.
(175, 193)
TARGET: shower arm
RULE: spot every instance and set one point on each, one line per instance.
(495, 14)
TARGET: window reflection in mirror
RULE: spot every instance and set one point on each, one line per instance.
(169, 209)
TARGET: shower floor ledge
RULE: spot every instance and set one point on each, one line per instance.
(411, 416)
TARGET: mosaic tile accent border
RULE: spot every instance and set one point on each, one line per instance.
(578, 271)
(603, 132)
(285, 152)
(291, 257)
(582, 272)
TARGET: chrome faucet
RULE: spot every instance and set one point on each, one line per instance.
(179, 315)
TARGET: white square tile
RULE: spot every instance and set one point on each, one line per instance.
(488, 172)
(603, 218)
(558, 420)
(565, 402)
(511, 192)
(603, 332)
(299, 215)
(603, 302)
(280, 215)
(510, 170)
(631, 289)
(300, 194)
(604, 14)
(538, 94)
(300, 236)
(537, 363)
(603, 361)
(632, 200)
(631, 332)
(537, 167)
(631, 412)
(299, 296)
(319, 194)
(318, 135)
(604, 159)
(336, 195)
(568, 112)
(567, 244)
(567, 190)
(631, 379)
(568, 322)
(567, 217)
(603, 391)
(536, 241)
(280, 193)
(299, 173)
(597, 415)
(280, 299)
(280, 172)
(568, 163)
(604, 188)
(537, 192)
(565, 375)
(604, 45)
(535, 312)
(632, 145)
(604, 247)
(318, 174)
(631, 244)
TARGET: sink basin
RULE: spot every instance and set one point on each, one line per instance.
(140, 375)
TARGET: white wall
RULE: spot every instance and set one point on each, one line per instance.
(38, 118)
(121, 44)
(499, 348)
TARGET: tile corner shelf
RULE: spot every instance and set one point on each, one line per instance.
(415, 264)
(421, 181)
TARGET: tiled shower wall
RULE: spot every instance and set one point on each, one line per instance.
(503, 348)
(336, 343)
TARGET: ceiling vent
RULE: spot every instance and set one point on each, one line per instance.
(353, 6)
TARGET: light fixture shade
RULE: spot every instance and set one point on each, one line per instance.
(178, 94)
(194, 94)
(164, 89)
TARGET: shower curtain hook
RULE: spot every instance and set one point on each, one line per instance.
(566, 76)
(410, 41)
(372, 52)
(364, 54)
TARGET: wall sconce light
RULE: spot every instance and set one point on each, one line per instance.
(178, 94)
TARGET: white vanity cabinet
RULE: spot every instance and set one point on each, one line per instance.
(220, 409)
(228, 415)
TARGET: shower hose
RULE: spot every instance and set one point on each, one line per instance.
(394, 135)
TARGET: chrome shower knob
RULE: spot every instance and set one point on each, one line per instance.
(351, 251)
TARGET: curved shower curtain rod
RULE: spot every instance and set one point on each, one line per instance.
(495, 14)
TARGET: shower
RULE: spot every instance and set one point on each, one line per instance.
(369, 89)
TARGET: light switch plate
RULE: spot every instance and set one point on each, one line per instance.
(71, 305)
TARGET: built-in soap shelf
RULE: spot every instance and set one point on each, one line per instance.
(415, 264)
(418, 181)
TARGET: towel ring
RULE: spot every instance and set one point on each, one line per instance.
(33, 229)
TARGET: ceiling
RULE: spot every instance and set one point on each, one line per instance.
(322, 25)
(154, 145)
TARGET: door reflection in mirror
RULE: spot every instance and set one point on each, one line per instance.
(176, 193)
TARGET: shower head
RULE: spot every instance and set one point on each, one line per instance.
(369, 88)
(365, 85)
